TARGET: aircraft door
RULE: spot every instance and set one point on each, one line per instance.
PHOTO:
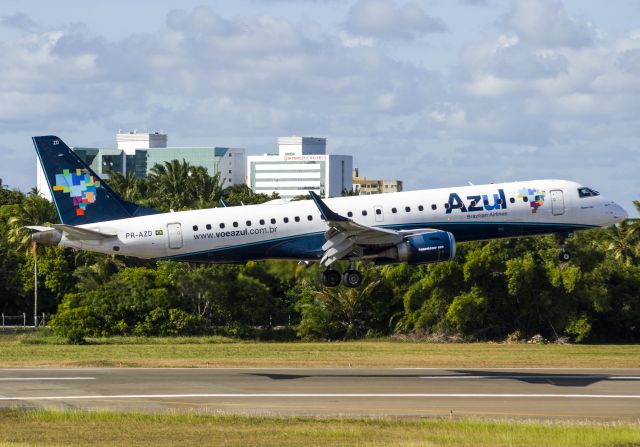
(379, 213)
(557, 202)
(175, 235)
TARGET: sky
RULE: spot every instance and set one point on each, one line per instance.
(436, 93)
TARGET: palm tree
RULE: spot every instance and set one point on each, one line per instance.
(35, 210)
(170, 180)
(348, 307)
(92, 275)
(205, 188)
(126, 185)
(624, 238)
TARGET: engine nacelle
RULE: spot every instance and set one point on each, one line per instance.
(48, 237)
(434, 246)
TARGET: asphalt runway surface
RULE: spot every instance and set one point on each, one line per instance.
(603, 394)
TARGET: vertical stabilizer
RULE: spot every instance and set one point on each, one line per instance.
(80, 196)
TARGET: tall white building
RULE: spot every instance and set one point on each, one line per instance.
(301, 165)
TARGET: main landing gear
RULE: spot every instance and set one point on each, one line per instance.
(351, 278)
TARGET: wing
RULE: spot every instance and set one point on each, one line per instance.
(348, 238)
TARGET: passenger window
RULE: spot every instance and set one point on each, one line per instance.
(208, 226)
(285, 220)
(485, 201)
(378, 211)
(407, 209)
(195, 228)
(297, 219)
(221, 225)
(364, 212)
(273, 220)
(248, 223)
(394, 210)
(525, 199)
(309, 217)
(349, 214)
(512, 200)
(235, 224)
(434, 207)
(446, 206)
(261, 221)
(420, 208)
(499, 202)
(537, 198)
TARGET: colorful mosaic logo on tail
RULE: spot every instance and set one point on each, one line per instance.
(80, 185)
(535, 197)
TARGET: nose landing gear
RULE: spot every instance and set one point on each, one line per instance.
(565, 256)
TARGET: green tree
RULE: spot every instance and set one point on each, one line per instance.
(336, 312)
(243, 195)
(127, 186)
(9, 197)
(34, 210)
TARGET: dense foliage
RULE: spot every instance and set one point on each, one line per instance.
(489, 291)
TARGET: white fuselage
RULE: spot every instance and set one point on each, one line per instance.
(295, 230)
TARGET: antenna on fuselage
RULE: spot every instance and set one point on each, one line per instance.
(470, 184)
(223, 203)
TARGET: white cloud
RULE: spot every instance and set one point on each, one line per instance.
(545, 23)
(18, 20)
(514, 106)
(385, 19)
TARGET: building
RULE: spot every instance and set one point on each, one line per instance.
(301, 165)
(139, 152)
(366, 186)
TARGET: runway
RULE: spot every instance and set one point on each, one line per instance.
(605, 394)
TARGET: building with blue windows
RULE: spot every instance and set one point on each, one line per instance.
(140, 152)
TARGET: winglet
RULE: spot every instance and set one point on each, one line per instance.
(326, 212)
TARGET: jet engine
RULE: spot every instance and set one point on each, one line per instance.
(424, 248)
(48, 236)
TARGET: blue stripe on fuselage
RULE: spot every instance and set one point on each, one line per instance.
(308, 246)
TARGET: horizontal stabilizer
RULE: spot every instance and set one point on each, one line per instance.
(82, 233)
(39, 228)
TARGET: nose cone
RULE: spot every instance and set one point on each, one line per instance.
(618, 213)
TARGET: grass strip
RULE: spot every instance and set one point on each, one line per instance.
(33, 350)
(75, 428)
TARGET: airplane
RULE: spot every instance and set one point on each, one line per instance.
(416, 227)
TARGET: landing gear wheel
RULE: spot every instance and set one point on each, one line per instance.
(330, 278)
(565, 256)
(352, 278)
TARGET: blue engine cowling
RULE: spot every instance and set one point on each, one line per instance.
(434, 246)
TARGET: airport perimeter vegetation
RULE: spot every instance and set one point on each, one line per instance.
(58, 428)
(41, 349)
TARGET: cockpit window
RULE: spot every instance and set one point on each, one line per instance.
(587, 192)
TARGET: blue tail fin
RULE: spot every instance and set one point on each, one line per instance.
(80, 196)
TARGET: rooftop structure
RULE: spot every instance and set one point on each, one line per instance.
(130, 141)
(366, 186)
